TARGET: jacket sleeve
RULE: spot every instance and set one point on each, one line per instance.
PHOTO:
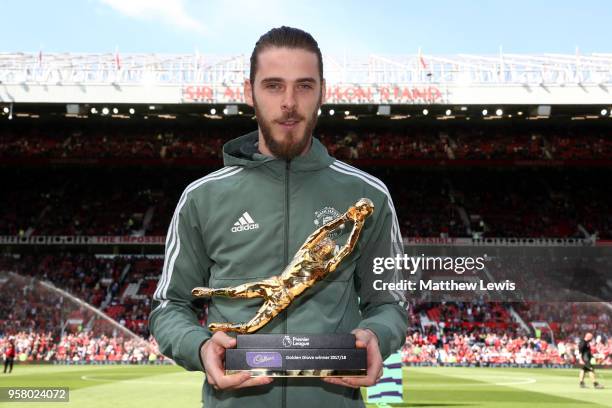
(383, 311)
(173, 321)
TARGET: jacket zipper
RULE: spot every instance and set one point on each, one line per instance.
(286, 257)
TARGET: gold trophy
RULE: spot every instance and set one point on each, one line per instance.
(315, 259)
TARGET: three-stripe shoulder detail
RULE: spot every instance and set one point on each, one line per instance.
(173, 244)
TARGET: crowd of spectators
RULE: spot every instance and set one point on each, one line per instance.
(40, 318)
(391, 143)
(461, 333)
(462, 202)
(501, 347)
(105, 144)
(121, 286)
(429, 202)
(529, 203)
(487, 333)
(580, 146)
(565, 319)
(89, 202)
(41, 346)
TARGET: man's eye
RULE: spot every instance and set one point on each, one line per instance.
(273, 86)
(305, 86)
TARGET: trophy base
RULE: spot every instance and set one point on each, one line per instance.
(297, 356)
(301, 373)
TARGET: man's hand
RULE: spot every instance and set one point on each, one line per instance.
(213, 355)
(368, 340)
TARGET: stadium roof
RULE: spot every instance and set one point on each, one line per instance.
(371, 79)
(181, 69)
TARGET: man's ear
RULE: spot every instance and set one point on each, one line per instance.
(248, 92)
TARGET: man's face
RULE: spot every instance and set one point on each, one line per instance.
(286, 96)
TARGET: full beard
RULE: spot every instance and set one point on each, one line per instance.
(292, 144)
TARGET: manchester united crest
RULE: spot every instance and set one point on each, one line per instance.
(325, 215)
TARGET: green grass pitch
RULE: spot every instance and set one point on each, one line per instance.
(171, 386)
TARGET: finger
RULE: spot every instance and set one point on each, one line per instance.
(339, 381)
(214, 348)
(223, 340)
(354, 382)
(359, 382)
(360, 344)
(373, 373)
(213, 365)
(213, 372)
(363, 335)
(375, 370)
(331, 380)
(232, 380)
(345, 381)
(254, 381)
(358, 334)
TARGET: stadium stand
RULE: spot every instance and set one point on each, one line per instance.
(430, 203)
(446, 181)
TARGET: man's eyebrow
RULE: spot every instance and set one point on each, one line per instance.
(278, 79)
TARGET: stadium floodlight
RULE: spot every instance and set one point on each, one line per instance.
(425, 112)
(93, 111)
(484, 112)
(464, 108)
(151, 107)
(499, 112)
(383, 110)
(115, 111)
(213, 111)
(542, 111)
(604, 112)
(346, 113)
(519, 113)
(448, 112)
(230, 110)
(132, 111)
(5, 109)
(73, 109)
(105, 110)
(331, 112)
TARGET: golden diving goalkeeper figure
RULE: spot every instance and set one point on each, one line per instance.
(312, 262)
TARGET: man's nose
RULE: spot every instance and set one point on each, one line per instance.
(289, 102)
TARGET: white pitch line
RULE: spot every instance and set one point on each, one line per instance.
(527, 380)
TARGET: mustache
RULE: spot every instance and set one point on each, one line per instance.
(290, 116)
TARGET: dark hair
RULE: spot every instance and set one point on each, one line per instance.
(287, 37)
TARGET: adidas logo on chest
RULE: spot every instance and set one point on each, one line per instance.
(245, 223)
